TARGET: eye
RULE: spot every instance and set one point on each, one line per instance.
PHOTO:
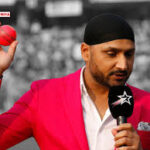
(129, 53)
(111, 53)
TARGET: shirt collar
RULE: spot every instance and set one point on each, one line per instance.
(82, 84)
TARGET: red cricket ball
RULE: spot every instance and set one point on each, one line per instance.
(7, 35)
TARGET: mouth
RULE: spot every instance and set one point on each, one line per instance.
(120, 76)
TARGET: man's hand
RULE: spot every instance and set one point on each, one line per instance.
(7, 57)
(126, 138)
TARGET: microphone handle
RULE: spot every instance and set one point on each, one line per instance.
(121, 119)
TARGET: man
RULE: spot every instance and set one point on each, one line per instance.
(71, 113)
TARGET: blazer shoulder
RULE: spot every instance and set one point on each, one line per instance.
(138, 90)
(56, 82)
(140, 94)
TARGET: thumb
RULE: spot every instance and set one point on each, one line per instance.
(12, 48)
(114, 132)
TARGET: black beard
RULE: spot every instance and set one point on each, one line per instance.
(104, 81)
(100, 79)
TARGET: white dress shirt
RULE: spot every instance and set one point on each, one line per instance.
(98, 131)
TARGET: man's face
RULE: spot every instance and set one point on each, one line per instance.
(111, 63)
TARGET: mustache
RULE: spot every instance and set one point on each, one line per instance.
(123, 72)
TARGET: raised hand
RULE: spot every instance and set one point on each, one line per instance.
(6, 57)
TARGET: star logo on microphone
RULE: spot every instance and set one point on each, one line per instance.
(125, 98)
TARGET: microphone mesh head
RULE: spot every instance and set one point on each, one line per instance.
(120, 100)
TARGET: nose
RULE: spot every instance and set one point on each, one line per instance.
(122, 63)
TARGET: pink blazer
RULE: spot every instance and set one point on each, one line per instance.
(51, 111)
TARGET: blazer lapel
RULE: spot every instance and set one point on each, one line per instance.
(73, 109)
(134, 119)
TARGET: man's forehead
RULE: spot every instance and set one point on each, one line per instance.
(117, 44)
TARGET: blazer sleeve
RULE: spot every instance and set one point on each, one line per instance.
(17, 123)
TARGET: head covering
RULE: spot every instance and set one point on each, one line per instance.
(107, 27)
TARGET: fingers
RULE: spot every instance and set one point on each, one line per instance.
(123, 137)
(12, 48)
(124, 133)
(123, 141)
(123, 130)
(125, 126)
(126, 138)
(125, 148)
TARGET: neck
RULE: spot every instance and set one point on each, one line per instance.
(94, 87)
(97, 92)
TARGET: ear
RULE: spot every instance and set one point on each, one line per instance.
(85, 51)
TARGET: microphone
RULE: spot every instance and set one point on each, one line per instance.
(121, 103)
